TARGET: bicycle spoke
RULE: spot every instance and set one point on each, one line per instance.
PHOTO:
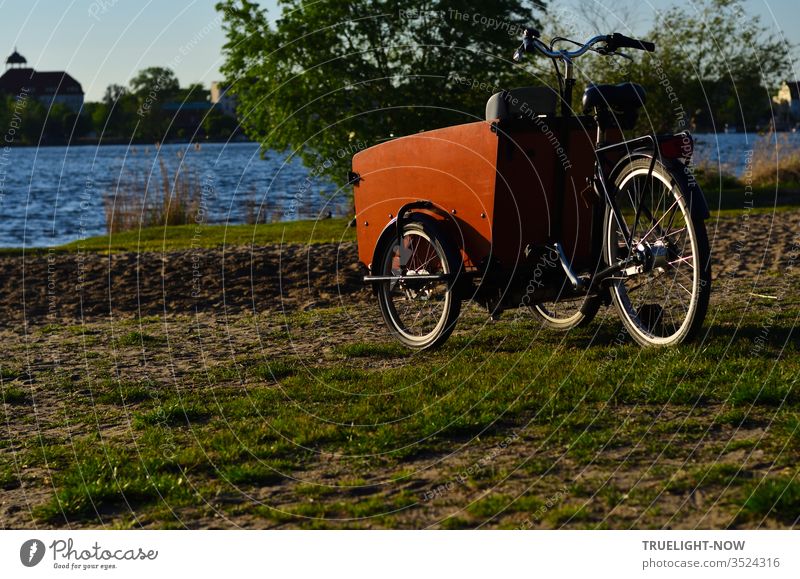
(416, 308)
(677, 231)
(672, 218)
(659, 221)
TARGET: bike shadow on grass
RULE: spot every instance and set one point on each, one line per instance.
(760, 341)
(757, 340)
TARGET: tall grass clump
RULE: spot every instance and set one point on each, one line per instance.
(154, 199)
(776, 162)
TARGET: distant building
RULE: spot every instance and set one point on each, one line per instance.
(222, 100)
(788, 101)
(47, 87)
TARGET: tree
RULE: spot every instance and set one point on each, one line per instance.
(155, 82)
(713, 65)
(116, 116)
(152, 87)
(219, 126)
(113, 93)
(331, 77)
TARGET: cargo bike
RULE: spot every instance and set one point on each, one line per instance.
(530, 208)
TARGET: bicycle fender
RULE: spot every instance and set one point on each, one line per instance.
(698, 206)
(389, 231)
(394, 227)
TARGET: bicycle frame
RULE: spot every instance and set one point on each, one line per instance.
(603, 186)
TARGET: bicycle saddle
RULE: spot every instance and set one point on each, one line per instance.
(529, 101)
(623, 96)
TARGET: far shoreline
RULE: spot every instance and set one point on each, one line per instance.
(84, 142)
(137, 143)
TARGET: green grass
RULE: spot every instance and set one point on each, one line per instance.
(8, 478)
(717, 474)
(125, 392)
(726, 198)
(14, 395)
(100, 484)
(775, 497)
(318, 435)
(369, 350)
(199, 236)
(252, 474)
(495, 504)
(275, 370)
(569, 514)
(174, 413)
(455, 524)
(366, 428)
(314, 512)
(138, 339)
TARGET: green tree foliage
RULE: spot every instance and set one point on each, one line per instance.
(330, 77)
(217, 124)
(113, 93)
(714, 65)
(155, 81)
(152, 87)
(34, 124)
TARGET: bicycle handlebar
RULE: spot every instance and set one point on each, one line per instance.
(617, 40)
(530, 41)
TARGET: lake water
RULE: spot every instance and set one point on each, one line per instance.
(53, 195)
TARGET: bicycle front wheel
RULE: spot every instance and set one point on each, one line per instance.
(662, 302)
(422, 314)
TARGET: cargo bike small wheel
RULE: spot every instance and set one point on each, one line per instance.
(422, 313)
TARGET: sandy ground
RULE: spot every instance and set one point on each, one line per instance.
(52, 287)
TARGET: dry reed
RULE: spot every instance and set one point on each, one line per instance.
(154, 200)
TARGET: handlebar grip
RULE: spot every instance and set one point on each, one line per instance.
(528, 37)
(617, 40)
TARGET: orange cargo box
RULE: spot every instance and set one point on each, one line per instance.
(495, 181)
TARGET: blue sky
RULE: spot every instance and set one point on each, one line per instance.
(107, 41)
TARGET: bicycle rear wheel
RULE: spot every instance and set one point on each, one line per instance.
(663, 302)
(566, 314)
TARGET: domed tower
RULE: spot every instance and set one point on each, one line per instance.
(16, 60)
(49, 87)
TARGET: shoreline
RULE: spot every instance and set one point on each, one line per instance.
(137, 143)
(763, 201)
